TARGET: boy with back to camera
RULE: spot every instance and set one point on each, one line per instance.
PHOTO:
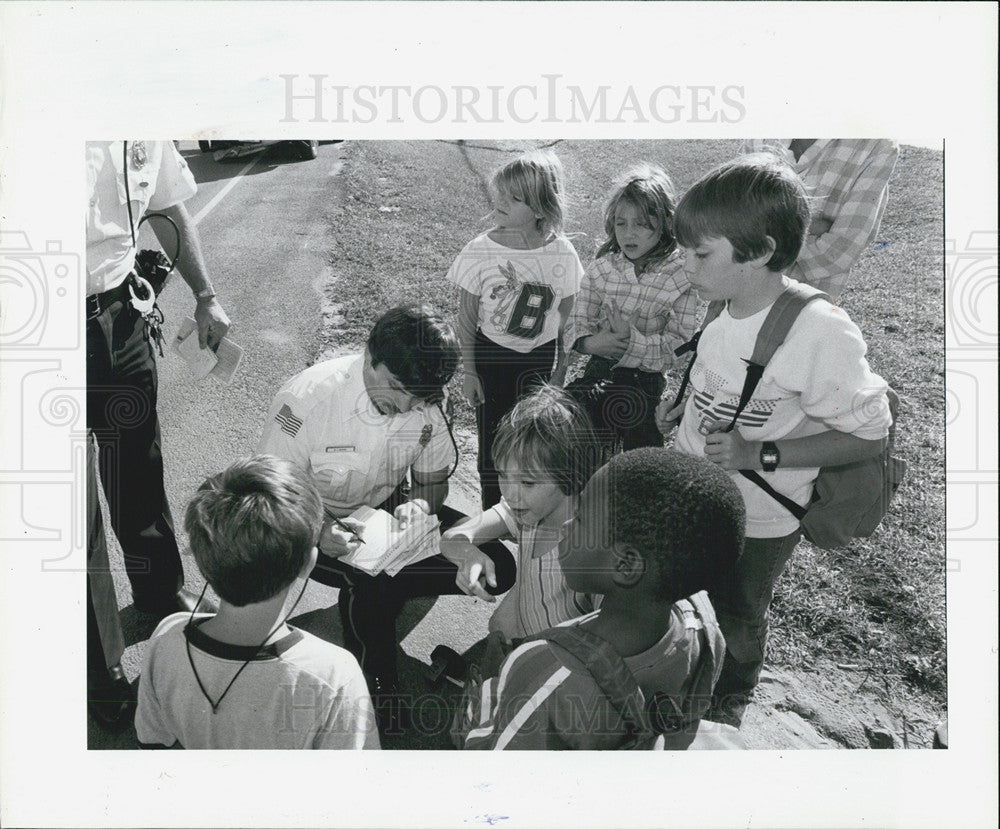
(816, 404)
(654, 528)
(243, 678)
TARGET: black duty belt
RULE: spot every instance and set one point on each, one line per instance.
(97, 304)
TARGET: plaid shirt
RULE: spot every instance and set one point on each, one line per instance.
(848, 185)
(668, 307)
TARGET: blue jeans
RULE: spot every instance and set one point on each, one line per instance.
(743, 612)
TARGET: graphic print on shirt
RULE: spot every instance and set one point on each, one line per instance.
(713, 406)
(530, 303)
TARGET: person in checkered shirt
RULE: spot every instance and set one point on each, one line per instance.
(634, 308)
(848, 185)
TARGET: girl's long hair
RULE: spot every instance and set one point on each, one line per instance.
(649, 189)
(537, 178)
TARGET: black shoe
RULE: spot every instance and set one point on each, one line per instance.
(728, 710)
(391, 715)
(111, 700)
(183, 601)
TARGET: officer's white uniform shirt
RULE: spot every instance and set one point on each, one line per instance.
(323, 420)
(158, 178)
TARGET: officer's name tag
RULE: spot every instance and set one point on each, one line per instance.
(332, 449)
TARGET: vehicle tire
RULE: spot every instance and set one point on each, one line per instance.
(305, 150)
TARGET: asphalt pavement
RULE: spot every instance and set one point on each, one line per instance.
(266, 231)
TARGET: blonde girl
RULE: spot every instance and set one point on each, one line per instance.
(516, 284)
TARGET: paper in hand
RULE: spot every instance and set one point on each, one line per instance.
(200, 361)
(387, 546)
(220, 363)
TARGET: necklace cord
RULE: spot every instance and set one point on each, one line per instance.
(187, 642)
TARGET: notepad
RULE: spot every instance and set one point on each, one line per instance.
(388, 548)
(202, 362)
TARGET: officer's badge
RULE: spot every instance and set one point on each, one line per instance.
(139, 157)
(425, 434)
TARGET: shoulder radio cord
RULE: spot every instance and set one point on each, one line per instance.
(451, 435)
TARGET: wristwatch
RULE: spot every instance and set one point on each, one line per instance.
(205, 293)
(769, 456)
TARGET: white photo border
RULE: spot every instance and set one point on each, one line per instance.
(917, 72)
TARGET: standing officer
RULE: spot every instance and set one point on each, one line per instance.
(125, 179)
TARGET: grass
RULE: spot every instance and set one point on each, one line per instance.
(409, 207)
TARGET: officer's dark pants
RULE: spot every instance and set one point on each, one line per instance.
(121, 411)
(369, 605)
(105, 643)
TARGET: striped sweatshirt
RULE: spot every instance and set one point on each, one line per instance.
(544, 698)
(540, 598)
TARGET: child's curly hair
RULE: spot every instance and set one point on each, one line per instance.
(548, 431)
(682, 512)
(650, 191)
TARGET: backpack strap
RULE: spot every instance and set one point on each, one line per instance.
(772, 334)
(643, 720)
(714, 309)
(771, 337)
(711, 652)
(781, 318)
(752, 475)
(609, 671)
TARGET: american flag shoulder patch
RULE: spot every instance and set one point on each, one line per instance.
(289, 423)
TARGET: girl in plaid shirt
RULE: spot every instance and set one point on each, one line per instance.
(634, 308)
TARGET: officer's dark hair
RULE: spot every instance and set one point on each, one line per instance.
(420, 349)
(252, 527)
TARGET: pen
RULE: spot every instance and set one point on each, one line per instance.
(346, 528)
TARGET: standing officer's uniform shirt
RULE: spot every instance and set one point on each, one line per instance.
(323, 420)
(158, 178)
